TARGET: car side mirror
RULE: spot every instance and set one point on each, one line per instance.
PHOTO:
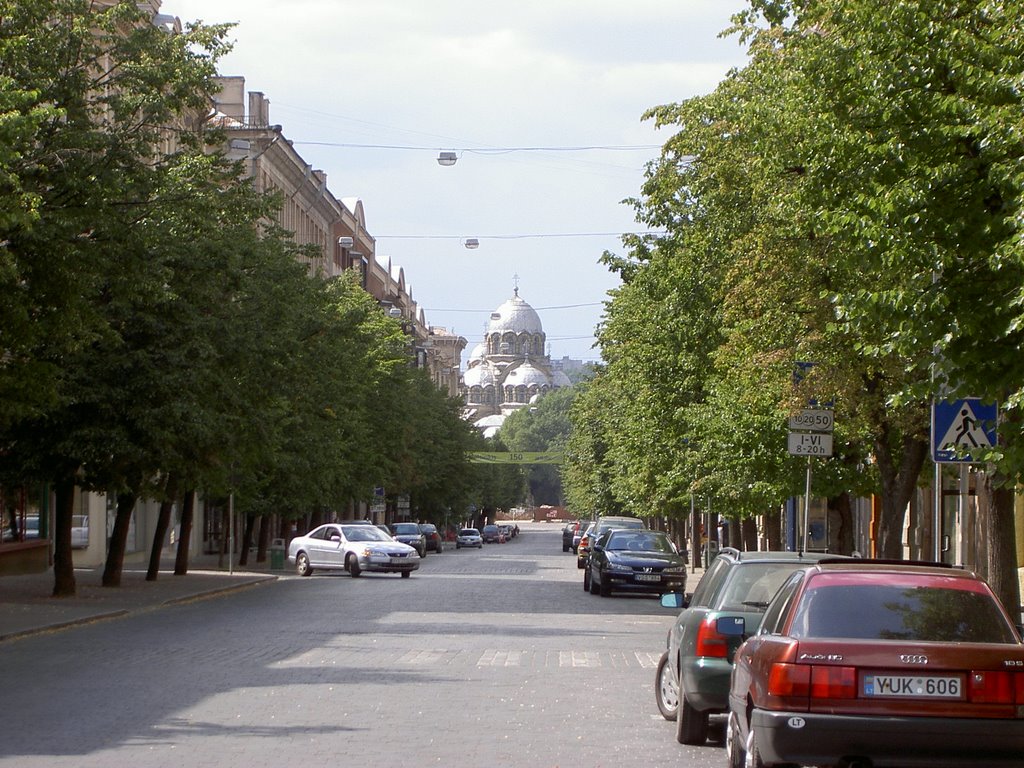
(675, 600)
(731, 626)
(336, 538)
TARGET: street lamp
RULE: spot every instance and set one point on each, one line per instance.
(472, 243)
(447, 159)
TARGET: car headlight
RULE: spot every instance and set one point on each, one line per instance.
(371, 552)
(613, 566)
(675, 569)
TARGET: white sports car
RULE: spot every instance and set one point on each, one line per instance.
(353, 548)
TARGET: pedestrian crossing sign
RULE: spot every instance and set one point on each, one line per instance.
(958, 426)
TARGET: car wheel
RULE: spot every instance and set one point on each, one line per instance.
(666, 689)
(586, 580)
(604, 585)
(565, 547)
(302, 566)
(691, 724)
(734, 748)
(581, 563)
(406, 574)
(457, 545)
(352, 563)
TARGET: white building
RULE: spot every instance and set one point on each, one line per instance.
(509, 369)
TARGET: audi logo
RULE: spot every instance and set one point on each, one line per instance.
(913, 658)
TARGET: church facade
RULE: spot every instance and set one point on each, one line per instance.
(509, 369)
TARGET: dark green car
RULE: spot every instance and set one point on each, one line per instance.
(692, 681)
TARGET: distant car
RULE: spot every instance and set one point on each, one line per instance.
(506, 531)
(568, 533)
(598, 527)
(469, 537)
(410, 533)
(692, 677)
(634, 560)
(432, 537)
(878, 663)
(79, 531)
(492, 534)
(353, 548)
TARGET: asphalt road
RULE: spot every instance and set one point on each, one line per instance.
(493, 657)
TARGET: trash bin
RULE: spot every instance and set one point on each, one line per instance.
(277, 555)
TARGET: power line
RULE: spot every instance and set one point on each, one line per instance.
(487, 150)
(520, 236)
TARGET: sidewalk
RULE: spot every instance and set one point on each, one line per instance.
(26, 605)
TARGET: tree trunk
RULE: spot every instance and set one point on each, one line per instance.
(748, 528)
(185, 533)
(773, 530)
(163, 522)
(264, 540)
(1000, 539)
(63, 565)
(119, 539)
(842, 514)
(243, 556)
(898, 486)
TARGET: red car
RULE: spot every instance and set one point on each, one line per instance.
(878, 664)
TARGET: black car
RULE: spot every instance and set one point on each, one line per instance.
(433, 537)
(634, 560)
(410, 533)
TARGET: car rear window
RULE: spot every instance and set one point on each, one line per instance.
(405, 528)
(751, 586)
(900, 612)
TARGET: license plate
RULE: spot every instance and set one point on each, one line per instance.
(910, 686)
(397, 560)
(648, 577)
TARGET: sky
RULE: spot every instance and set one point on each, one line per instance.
(371, 91)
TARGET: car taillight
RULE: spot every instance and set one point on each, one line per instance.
(710, 642)
(833, 683)
(789, 680)
(997, 687)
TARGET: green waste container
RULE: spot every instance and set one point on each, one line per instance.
(277, 555)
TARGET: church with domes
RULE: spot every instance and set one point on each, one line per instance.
(509, 369)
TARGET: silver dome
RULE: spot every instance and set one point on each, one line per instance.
(515, 315)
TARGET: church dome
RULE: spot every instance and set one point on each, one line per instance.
(559, 379)
(526, 375)
(480, 376)
(515, 315)
(479, 352)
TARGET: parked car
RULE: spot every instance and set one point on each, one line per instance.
(878, 663)
(634, 560)
(351, 547)
(598, 527)
(581, 528)
(569, 533)
(432, 537)
(692, 678)
(583, 549)
(410, 533)
(469, 537)
(492, 534)
(506, 531)
(79, 531)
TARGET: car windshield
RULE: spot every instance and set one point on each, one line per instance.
(639, 541)
(406, 528)
(751, 586)
(469, 532)
(364, 533)
(428, 528)
(900, 612)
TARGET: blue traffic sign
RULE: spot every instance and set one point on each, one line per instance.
(958, 426)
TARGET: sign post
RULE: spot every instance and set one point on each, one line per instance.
(810, 435)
